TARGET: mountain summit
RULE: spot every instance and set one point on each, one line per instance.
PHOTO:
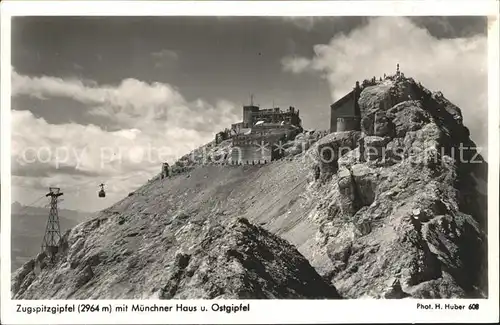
(396, 209)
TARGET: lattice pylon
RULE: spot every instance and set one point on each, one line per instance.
(52, 236)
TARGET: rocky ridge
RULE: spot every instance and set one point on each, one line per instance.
(395, 213)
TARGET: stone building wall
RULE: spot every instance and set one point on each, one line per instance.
(253, 114)
(262, 146)
(343, 109)
(345, 113)
(248, 153)
(348, 123)
(248, 112)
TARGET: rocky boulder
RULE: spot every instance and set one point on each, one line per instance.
(396, 215)
(329, 149)
(235, 260)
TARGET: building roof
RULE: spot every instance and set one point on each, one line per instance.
(342, 100)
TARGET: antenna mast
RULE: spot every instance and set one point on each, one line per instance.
(52, 236)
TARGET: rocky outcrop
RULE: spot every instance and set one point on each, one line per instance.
(243, 261)
(233, 261)
(302, 142)
(398, 222)
(395, 210)
(329, 149)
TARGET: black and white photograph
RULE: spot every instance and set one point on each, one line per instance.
(249, 157)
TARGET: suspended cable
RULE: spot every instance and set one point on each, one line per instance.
(31, 204)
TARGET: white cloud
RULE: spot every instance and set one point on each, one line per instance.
(457, 67)
(132, 103)
(165, 53)
(306, 23)
(296, 64)
(77, 66)
(164, 57)
(157, 124)
(130, 96)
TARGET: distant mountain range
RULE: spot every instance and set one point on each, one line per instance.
(28, 227)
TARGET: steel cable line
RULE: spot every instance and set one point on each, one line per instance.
(31, 204)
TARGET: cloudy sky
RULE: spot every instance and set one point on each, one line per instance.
(108, 99)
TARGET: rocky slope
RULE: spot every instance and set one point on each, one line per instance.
(397, 214)
(173, 260)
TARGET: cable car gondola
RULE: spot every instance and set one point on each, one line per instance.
(101, 192)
